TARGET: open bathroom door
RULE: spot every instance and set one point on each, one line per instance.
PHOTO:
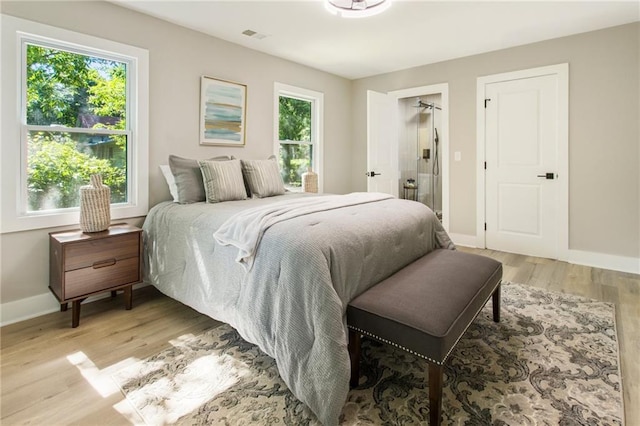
(382, 143)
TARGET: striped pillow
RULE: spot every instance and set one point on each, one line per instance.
(188, 178)
(263, 177)
(223, 180)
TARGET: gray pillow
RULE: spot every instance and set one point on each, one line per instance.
(223, 180)
(263, 177)
(189, 178)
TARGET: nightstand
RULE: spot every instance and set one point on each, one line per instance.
(85, 264)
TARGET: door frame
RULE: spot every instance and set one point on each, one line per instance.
(561, 71)
(443, 90)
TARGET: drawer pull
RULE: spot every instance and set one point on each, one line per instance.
(104, 263)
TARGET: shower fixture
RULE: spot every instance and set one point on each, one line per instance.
(426, 105)
(436, 165)
(428, 167)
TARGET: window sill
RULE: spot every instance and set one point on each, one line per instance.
(53, 220)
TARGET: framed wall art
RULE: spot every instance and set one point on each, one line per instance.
(223, 107)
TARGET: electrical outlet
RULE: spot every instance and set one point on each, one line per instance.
(457, 156)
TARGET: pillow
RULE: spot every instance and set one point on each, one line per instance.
(223, 180)
(171, 181)
(263, 177)
(188, 177)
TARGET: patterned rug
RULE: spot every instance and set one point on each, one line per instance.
(552, 360)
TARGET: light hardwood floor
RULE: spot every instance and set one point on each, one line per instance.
(55, 375)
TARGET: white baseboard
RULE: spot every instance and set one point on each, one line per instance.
(578, 257)
(605, 261)
(27, 308)
(35, 306)
(464, 240)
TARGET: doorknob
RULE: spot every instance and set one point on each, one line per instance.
(372, 174)
(548, 175)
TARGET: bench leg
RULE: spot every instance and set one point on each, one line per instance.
(354, 354)
(496, 304)
(435, 394)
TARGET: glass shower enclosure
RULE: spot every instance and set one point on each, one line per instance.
(420, 154)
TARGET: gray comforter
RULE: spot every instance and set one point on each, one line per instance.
(292, 302)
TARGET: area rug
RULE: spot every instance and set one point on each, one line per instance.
(552, 360)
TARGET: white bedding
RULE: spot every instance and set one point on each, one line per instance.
(293, 300)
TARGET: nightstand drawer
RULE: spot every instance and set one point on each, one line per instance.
(104, 274)
(83, 264)
(85, 254)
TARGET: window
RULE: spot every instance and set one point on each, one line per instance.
(298, 133)
(82, 105)
(76, 125)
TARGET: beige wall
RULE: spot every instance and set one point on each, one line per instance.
(604, 137)
(177, 59)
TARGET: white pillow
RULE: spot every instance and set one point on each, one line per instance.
(171, 181)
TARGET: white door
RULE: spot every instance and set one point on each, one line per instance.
(521, 143)
(382, 144)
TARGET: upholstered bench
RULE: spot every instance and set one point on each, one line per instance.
(425, 308)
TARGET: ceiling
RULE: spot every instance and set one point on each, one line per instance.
(410, 33)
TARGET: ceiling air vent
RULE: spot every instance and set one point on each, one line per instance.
(253, 34)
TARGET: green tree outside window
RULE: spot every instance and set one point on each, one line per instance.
(294, 133)
(70, 91)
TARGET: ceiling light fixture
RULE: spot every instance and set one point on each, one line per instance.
(356, 8)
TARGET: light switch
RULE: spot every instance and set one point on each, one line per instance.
(457, 156)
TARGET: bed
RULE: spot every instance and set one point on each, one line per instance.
(291, 299)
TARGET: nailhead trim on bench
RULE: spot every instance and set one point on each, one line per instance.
(394, 344)
(416, 353)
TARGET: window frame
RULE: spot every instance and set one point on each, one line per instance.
(317, 112)
(16, 33)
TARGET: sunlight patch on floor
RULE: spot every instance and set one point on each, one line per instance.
(172, 390)
(182, 340)
(129, 412)
(100, 379)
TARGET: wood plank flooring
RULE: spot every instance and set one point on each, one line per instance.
(55, 375)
